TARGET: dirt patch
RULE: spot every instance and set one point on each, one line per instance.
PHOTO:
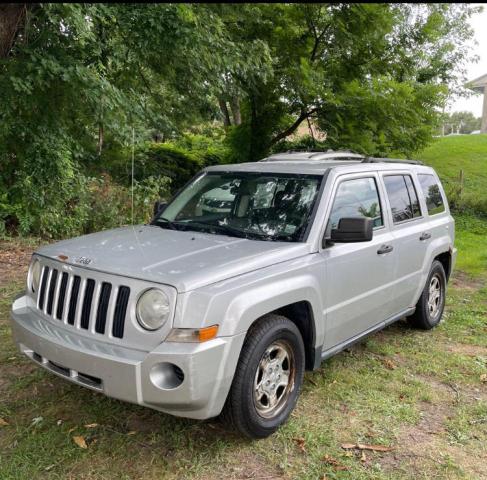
(246, 465)
(464, 281)
(14, 261)
(468, 350)
(426, 443)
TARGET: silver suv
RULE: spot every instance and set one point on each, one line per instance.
(250, 275)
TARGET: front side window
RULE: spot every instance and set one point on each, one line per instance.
(432, 193)
(262, 206)
(356, 198)
(402, 197)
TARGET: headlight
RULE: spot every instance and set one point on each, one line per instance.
(35, 275)
(153, 309)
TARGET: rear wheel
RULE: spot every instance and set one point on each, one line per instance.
(431, 303)
(268, 378)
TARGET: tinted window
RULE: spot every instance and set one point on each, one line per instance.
(432, 194)
(356, 198)
(402, 197)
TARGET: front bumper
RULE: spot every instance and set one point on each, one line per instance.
(128, 374)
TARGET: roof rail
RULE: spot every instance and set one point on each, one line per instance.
(315, 155)
(391, 160)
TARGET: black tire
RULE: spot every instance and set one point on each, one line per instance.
(241, 410)
(423, 318)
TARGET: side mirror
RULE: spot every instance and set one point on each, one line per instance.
(352, 230)
(159, 207)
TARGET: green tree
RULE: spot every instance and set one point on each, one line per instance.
(373, 76)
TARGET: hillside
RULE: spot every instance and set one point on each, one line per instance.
(448, 155)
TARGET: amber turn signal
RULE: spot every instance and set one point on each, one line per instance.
(190, 335)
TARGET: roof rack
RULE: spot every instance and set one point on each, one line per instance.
(306, 155)
(391, 160)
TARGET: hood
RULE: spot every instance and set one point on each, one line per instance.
(185, 260)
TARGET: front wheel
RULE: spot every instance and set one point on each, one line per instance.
(431, 303)
(268, 378)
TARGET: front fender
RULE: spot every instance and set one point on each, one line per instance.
(236, 303)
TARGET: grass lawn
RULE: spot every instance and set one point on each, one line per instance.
(449, 155)
(422, 393)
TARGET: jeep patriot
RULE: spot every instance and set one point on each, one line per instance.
(250, 275)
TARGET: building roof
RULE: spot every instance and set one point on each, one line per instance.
(478, 84)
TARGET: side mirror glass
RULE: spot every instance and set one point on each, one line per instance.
(350, 230)
(159, 207)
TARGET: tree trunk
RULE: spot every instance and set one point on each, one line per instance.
(235, 106)
(12, 16)
(224, 110)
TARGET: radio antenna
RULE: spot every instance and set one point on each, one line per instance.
(133, 161)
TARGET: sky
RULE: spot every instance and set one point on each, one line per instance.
(475, 70)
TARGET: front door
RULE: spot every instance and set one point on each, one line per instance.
(359, 282)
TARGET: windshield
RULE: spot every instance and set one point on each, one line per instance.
(262, 206)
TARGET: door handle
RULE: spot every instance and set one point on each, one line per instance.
(425, 236)
(385, 249)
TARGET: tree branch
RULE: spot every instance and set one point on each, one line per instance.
(302, 117)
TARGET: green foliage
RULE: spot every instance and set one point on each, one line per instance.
(467, 153)
(373, 76)
(77, 79)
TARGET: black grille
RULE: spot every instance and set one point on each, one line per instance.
(85, 312)
(73, 301)
(62, 295)
(66, 304)
(42, 291)
(120, 310)
(101, 313)
(52, 288)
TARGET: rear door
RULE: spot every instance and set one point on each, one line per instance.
(410, 232)
(359, 283)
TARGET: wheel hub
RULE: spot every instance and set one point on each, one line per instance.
(274, 379)
(434, 296)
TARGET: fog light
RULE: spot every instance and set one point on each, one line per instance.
(166, 376)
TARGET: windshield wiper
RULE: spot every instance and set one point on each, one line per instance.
(235, 232)
(169, 223)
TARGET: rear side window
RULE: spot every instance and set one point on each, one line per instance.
(432, 194)
(357, 197)
(402, 197)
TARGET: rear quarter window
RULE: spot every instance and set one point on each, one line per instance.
(432, 194)
(402, 197)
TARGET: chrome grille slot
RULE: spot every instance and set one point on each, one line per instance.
(52, 288)
(85, 312)
(101, 311)
(42, 291)
(73, 300)
(120, 311)
(62, 296)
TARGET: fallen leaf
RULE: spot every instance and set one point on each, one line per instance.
(324, 477)
(133, 432)
(80, 441)
(363, 457)
(361, 446)
(301, 444)
(71, 429)
(3, 423)
(483, 378)
(37, 421)
(91, 425)
(59, 422)
(389, 364)
(334, 463)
